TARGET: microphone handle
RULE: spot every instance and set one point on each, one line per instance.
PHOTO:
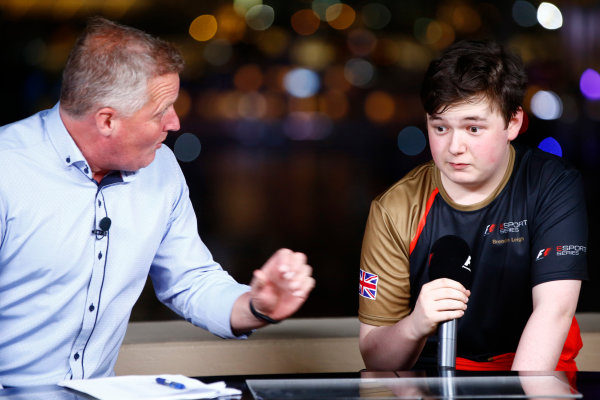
(448, 391)
(447, 344)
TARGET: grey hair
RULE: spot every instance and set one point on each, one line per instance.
(110, 66)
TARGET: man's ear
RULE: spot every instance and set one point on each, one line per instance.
(106, 121)
(514, 124)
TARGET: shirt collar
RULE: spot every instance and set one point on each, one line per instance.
(67, 149)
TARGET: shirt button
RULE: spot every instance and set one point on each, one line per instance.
(76, 356)
(92, 308)
(86, 170)
(68, 159)
(99, 203)
(99, 255)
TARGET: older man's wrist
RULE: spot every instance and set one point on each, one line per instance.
(262, 316)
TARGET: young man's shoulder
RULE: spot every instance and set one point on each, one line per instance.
(417, 185)
(539, 162)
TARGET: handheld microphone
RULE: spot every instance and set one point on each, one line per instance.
(104, 226)
(450, 257)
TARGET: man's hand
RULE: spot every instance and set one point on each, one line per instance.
(282, 285)
(397, 347)
(278, 290)
(440, 300)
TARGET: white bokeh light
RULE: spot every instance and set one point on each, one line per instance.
(549, 16)
(260, 17)
(546, 105)
(301, 82)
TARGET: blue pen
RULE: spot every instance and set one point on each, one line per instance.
(166, 382)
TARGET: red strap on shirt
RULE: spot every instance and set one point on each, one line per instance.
(503, 362)
(423, 219)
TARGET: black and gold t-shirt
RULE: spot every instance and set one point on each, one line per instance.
(532, 229)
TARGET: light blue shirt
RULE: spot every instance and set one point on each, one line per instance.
(65, 293)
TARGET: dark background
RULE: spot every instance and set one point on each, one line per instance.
(254, 186)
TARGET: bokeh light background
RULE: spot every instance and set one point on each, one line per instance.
(296, 114)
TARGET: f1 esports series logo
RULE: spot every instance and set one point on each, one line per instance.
(505, 227)
(563, 250)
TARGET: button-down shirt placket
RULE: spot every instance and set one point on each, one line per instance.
(94, 290)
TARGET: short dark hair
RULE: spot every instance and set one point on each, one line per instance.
(110, 66)
(470, 69)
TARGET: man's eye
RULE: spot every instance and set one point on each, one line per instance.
(474, 129)
(440, 129)
(161, 114)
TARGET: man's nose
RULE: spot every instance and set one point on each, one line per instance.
(171, 121)
(457, 144)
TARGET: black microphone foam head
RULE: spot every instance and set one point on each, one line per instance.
(105, 224)
(450, 257)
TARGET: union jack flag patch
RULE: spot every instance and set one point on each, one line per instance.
(367, 285)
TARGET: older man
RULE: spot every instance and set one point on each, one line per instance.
(91, 203)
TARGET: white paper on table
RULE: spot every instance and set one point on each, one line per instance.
(145, 387)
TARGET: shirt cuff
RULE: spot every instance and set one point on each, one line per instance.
(220, 324)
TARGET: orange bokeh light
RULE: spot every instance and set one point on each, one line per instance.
(231, 25)
(305, 22)
(183, 104)
(380, 107)
(466, 19)
(340, 16)
(248, 78)
(203, 28)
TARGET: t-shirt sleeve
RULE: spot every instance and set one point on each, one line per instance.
(559, 244)
(384, 285)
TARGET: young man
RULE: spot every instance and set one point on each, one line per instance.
(521, 211)
(91, 203)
